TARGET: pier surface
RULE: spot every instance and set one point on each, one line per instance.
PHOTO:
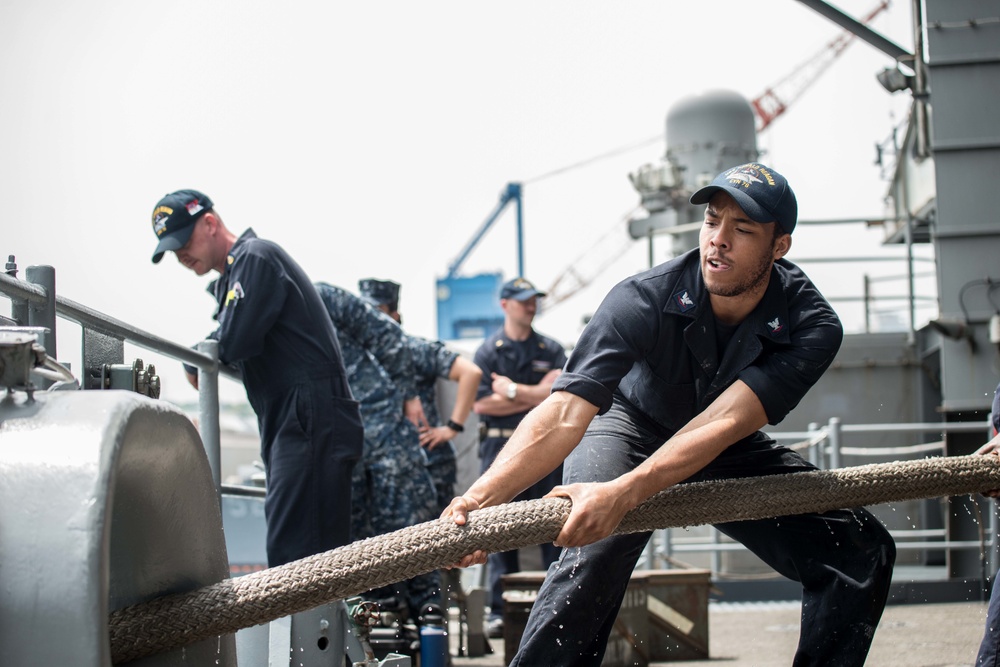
(764, 634)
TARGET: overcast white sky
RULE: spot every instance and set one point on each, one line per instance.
(373, 138)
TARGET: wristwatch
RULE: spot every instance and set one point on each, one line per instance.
(512, 391)
(455, 426)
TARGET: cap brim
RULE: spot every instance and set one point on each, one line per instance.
(524, 296)
(173, 242)
(755, 211)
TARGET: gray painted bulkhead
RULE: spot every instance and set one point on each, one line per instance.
(963, 65)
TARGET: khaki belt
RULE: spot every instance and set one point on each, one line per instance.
(499, 432)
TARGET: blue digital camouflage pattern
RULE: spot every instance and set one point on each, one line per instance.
(392, 487)
(432, 360)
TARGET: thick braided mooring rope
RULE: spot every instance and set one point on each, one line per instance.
(182, 619)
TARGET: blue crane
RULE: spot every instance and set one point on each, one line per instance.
(512, 193)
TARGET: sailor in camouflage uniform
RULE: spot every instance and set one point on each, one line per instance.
(392, 487)
(432, 360)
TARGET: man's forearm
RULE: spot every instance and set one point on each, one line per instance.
(526, 397)
(734, 415)
(496, 405)
(467, 375)
(542, 441)
(530, 395)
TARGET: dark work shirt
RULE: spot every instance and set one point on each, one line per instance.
(652, 343)
(723, 334)
(272, 324)
(524, 362)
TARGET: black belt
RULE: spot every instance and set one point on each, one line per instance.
(499, 432)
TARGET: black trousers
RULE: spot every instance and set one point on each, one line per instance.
(843, 559)
(310, 441)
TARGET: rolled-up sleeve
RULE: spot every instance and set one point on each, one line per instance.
(622, 331)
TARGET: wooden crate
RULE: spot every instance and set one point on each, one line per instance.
(663, 617)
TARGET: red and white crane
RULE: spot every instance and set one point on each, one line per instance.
(776, 99)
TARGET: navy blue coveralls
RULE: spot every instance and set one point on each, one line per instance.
(275, 329)
(525, 362)
(650, 361)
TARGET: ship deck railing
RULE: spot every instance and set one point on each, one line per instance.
(823, 446)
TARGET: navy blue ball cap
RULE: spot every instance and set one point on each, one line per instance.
(519, 289)
(762, 193)
(380, 292)
(174, 218)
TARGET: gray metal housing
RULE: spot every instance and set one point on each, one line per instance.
(106, 500)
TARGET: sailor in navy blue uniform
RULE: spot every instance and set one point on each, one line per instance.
(670, 382)
(274, 329)
(519, 366)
